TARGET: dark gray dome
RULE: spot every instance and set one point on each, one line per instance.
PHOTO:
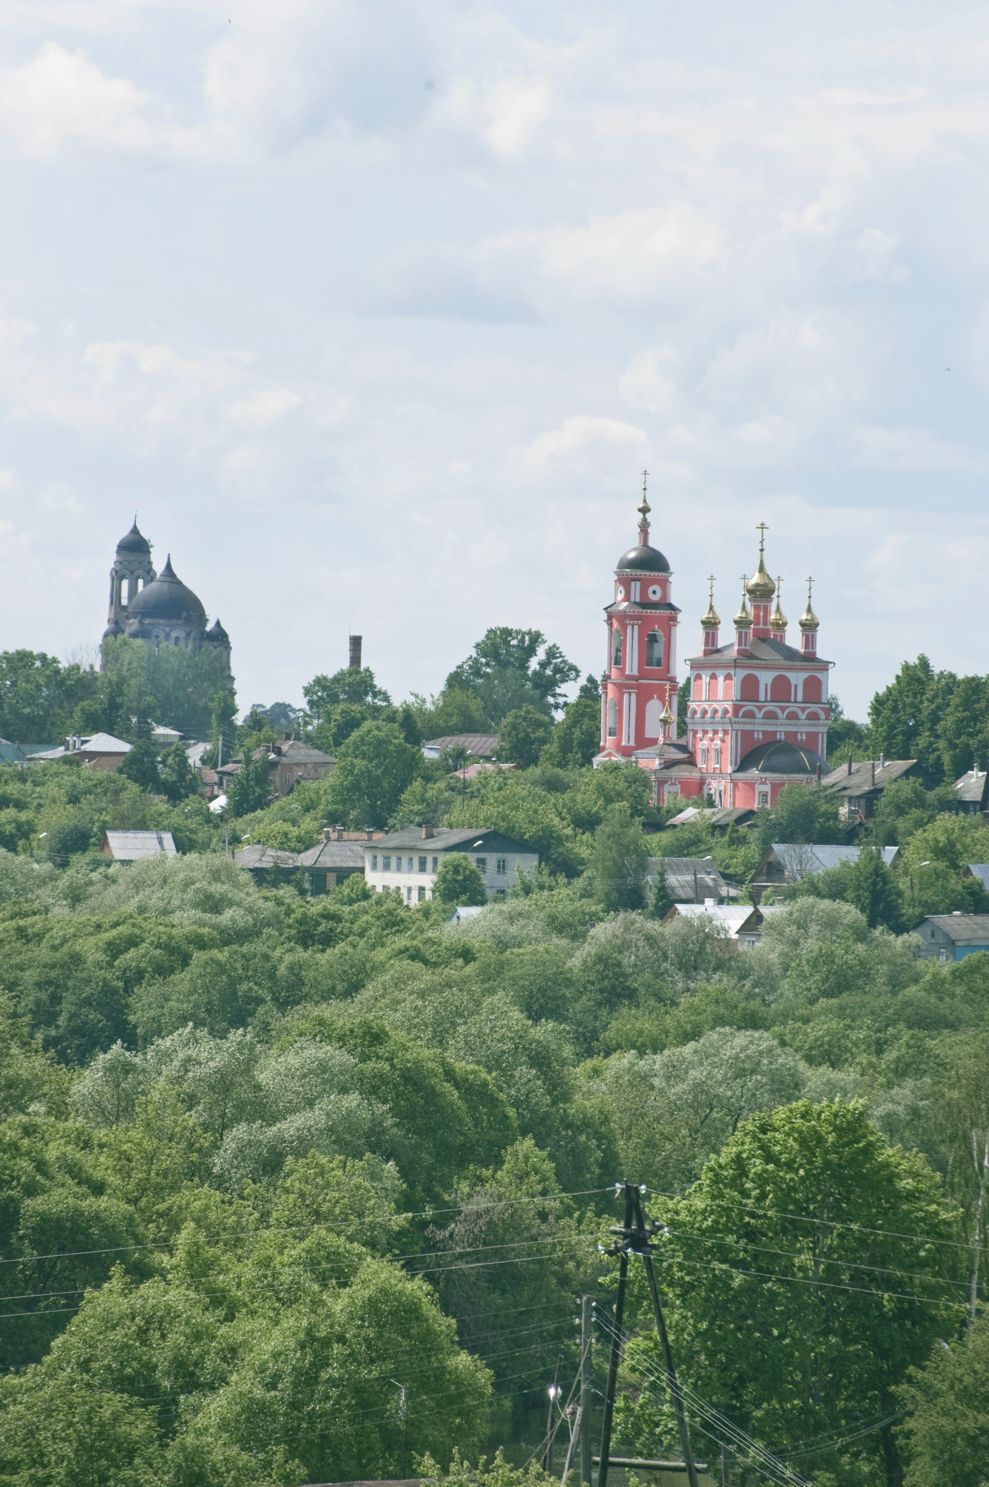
(780, 757)
(134, 541)
(643, 560)
(168, 599)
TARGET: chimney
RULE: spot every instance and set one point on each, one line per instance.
(355, 652)
(425, 832)
(368, 834)
(328, 833)
(873, 774)
(338, 833)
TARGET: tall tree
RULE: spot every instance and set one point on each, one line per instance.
(946, 1430)
(523, 735)
(506, 661)
(905, 719)
(619, 860)
(375, 766)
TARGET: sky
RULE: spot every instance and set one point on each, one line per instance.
(374, 311)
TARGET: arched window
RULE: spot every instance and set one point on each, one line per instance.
(780, 689)
(698, 688)
(749, 690)
(616, 647)
(712, 688)
(612, 718)
(654, 648)
(812, 689)
(728, 686)
(653, 711)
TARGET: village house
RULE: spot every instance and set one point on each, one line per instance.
(859, 785)
(409, 860)
(136, 846)
(950, 937)
(100, 751)
(739, 923)
(689, 880)
(787, 862)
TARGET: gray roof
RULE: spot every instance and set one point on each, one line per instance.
(866, 775)
(779, 757)
(733, 917)
(760, 648)
(804, 859)
(294, 751)
(980, 870)
(971, 788)
(964, 929)
(484, 745)
(446, 839)
(257, 856)
(689, 878)
(334, 854)
(131, 846)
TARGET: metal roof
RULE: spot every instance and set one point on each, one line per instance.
(866, 775)
(689, 878)
(484, 745)
(734, 917)
(971, 788)
(964, 929)
(257, 856)
(804, 859)
(333, 854)
(446, 839)
(104, 743)
(980, 870)
(760, 648)
(294, 751)
(131, 846)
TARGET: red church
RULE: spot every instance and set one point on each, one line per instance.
(756, 711)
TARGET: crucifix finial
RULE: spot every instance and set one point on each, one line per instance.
(810, 588)
(762, 529)
(645, 508)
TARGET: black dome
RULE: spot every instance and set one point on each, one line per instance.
(643, 560)
(779, 757)
(134, 541)
(166, 598)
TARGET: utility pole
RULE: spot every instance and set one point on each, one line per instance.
(584, 1415)
(634, 1237)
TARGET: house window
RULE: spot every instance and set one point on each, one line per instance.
(408, 895)
(616, 648)
(702, 757)
(422, 865)
(482, 864)
(374, 862)
(501, 866)
(436, 864)
(421, 893)
(412, 864)
(386, 864)
(716, 756)
(762, 800)
(654, 648)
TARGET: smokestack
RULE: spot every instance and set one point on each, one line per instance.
(355, 652)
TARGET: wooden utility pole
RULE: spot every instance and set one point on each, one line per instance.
(634, 1237)
(584, 1415)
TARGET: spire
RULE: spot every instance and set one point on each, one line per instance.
(808, 620)
(760, 585)
(712, 619)
(644, 511)
(743, 618)
(778, 621)
(168, 571)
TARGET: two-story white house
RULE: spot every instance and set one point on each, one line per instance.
(410, 859)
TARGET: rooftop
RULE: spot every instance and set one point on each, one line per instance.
(446, 839)
(859, 777)
(483, 745)
(133, 846)
(761, 648)
(964, 929)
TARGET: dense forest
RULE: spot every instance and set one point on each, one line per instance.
(300, 1189)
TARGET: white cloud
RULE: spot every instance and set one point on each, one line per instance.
(647, 381)
(914, 449)
(61, 99)
(578, 441)
(625, 256)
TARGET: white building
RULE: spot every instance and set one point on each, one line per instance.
(410, 859)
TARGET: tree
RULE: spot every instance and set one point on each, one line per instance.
(873, 890)
(576, 737)
(660, 898)
(946, 1431)
(801, 1230)
(38, 696)
(141, 765)
(905, 718)
(459, 881)
(523, 735)
(375, 766)
(178, 779)
(355, 685)
(506, 661)
(619, 860)
(249, 789)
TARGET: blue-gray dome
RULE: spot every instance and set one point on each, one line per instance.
(643, 560)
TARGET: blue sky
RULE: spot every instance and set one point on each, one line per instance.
(376, 311)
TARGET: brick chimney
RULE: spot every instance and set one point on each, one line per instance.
(425, 832)
(356, 644)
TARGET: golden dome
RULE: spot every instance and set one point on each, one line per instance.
(760, 585)
(712, 619)
(743, 618)
(808, 620)
(778, 621)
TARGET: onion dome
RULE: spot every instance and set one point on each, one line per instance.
(808, 620)
(743, 618)
(779, 757)
(644, 558)
(134, 541)
(712, 619)
(778, 620)
(760, 585)
(167, 599)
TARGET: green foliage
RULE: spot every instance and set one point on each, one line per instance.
(458, 881)
(946, 1431)
(576, 737)
(249, 790)
(375, 766)
(508, 669)
(619, 860)
(355, 686)
(523, 735)
(142, 684)
(38, 696)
